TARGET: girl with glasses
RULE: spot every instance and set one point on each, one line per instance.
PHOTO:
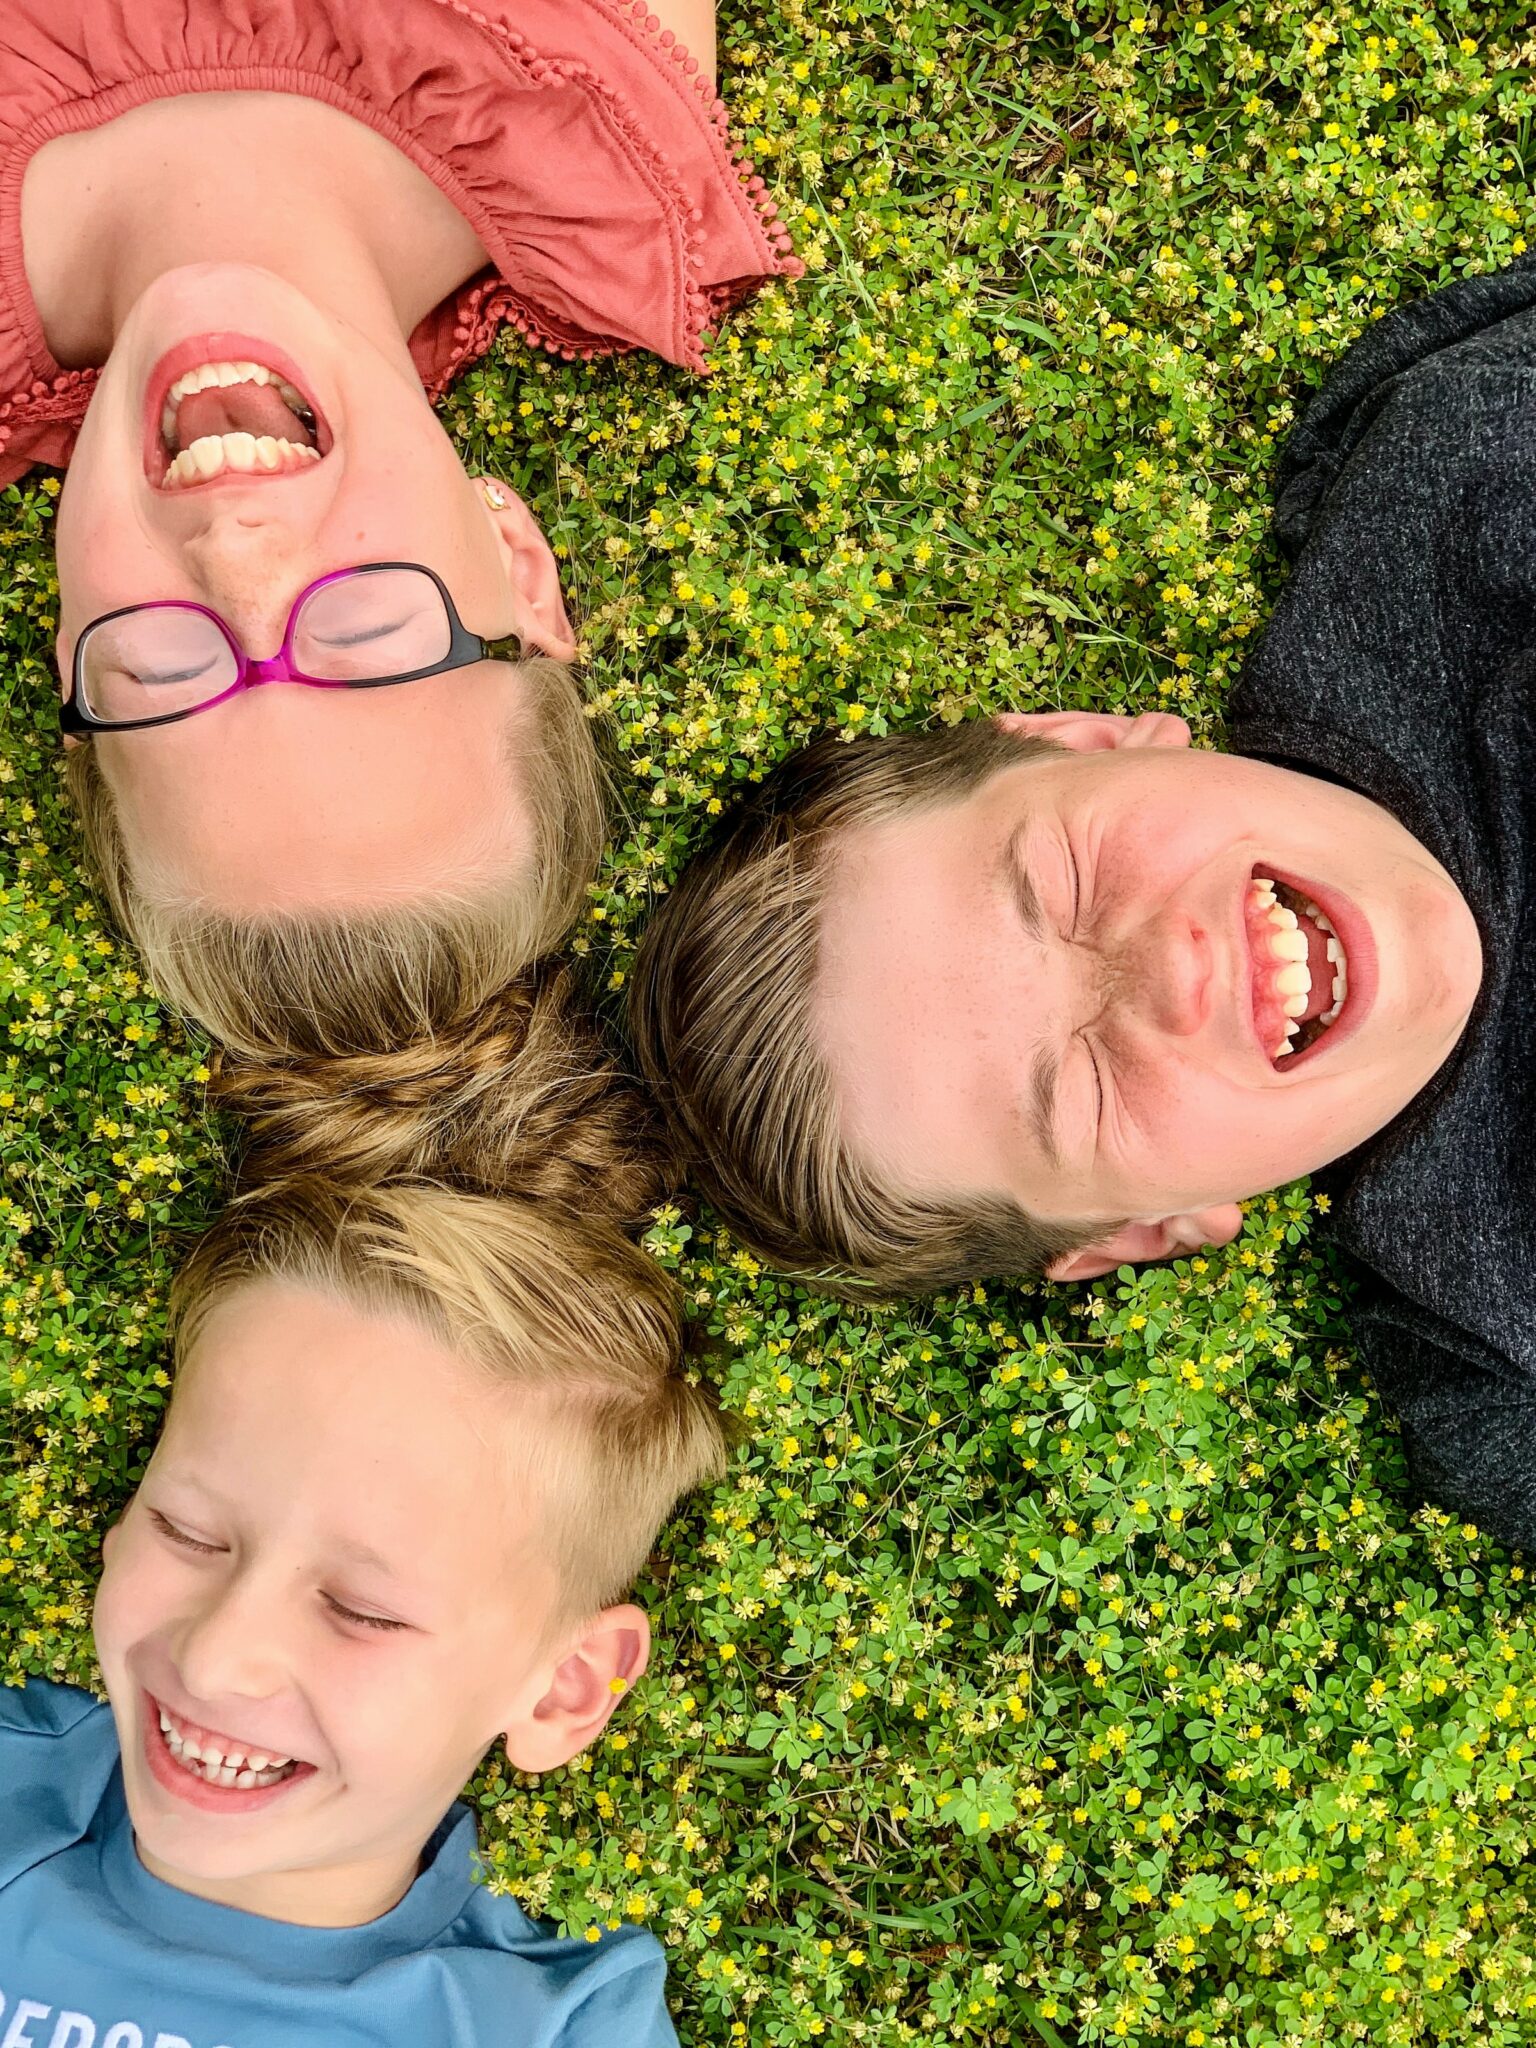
(244, 250)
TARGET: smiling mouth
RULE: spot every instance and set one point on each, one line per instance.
(1299, 965)
(235, 418)
(222, 1761)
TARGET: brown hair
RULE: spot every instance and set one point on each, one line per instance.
(368, 980)
(720, 1010)
(486, 1186)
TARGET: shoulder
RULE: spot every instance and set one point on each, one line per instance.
(608, 1993)
(58, 1751)
(42, 1709)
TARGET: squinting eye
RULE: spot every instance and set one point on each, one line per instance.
(1077, 888)
(1098, 1083)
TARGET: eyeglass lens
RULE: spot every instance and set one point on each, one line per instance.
(365, 627)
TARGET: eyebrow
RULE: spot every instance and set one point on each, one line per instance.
(1047, 1062)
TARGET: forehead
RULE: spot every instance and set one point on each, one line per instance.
(308, 799)
(310, 1416)
(914, 946)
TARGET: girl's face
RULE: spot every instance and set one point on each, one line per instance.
(1070, 988)
(287, 796)
(326, 1600)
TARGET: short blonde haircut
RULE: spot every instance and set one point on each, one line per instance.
(569, 1313)
(488, 1185)
(721, 1011)
(366, 980)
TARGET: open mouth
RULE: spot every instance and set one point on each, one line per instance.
(1300, 968)
(215, 416)
(214, 1771)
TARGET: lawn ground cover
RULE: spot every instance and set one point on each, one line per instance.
(1055, 1666)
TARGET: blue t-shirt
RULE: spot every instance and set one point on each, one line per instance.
(96, 1953)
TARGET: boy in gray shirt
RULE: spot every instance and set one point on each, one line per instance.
(1047, 994)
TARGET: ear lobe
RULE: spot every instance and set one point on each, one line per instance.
(533, 575)
(581, 1691)
(1166, 1237)
(1097, 732)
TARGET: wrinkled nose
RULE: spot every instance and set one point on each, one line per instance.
(1174, 964)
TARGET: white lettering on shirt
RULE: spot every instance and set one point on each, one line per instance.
(74, 2030)
(18, 2034)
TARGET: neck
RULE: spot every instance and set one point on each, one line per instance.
(338, 1895)
(288, 184)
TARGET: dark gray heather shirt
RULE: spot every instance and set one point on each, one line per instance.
(1401, 661)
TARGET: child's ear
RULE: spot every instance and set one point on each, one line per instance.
(590, 1678)
(1097, 732)
(533, 575)
(1168, 1237)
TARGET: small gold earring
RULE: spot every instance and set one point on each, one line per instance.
(495, 496)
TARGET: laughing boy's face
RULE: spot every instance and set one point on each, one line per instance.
(327, 1599)
(1134, 981)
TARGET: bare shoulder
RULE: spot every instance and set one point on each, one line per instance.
(693, 23)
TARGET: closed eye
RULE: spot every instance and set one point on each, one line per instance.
(180, 1537)
(344, 1613)
(1077, 888)
(1098, 1083)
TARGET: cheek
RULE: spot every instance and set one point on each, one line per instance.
(137, 1594)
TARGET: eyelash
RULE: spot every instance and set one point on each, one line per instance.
(180, 1537)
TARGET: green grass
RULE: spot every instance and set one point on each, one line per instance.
(1055, 1667)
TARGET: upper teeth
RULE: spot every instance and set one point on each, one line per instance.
(1288, 949)
(216, 1763)
(211, 454)
(238, 451)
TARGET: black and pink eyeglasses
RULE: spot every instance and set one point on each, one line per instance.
(356, 629)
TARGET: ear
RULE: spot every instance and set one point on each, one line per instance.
(1096, 732)
(533, 575)
(1168, 1237)
(585, 1685)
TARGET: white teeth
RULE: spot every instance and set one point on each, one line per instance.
(210, 455)
(1294, 1006)
(1283, 1048)
(1335, 950)
(1288, 945)
(1294, 979)
(1282, 919)
(245, 1780)
(213, 1758)
(165, 1722)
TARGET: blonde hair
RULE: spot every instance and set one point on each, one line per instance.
(367, 980)
(569, 1313)
(721, 1014)
(487, 1187)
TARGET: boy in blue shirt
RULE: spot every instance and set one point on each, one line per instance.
(417, 1441)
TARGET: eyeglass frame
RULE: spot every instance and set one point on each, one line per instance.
(78, 720)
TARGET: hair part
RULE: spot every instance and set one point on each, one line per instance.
(721, 1011)
(362, 981)
(565, 1312)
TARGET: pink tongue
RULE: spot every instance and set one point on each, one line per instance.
(239, 409)
(1320, 967)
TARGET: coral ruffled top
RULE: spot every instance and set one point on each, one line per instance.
(587, 150)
